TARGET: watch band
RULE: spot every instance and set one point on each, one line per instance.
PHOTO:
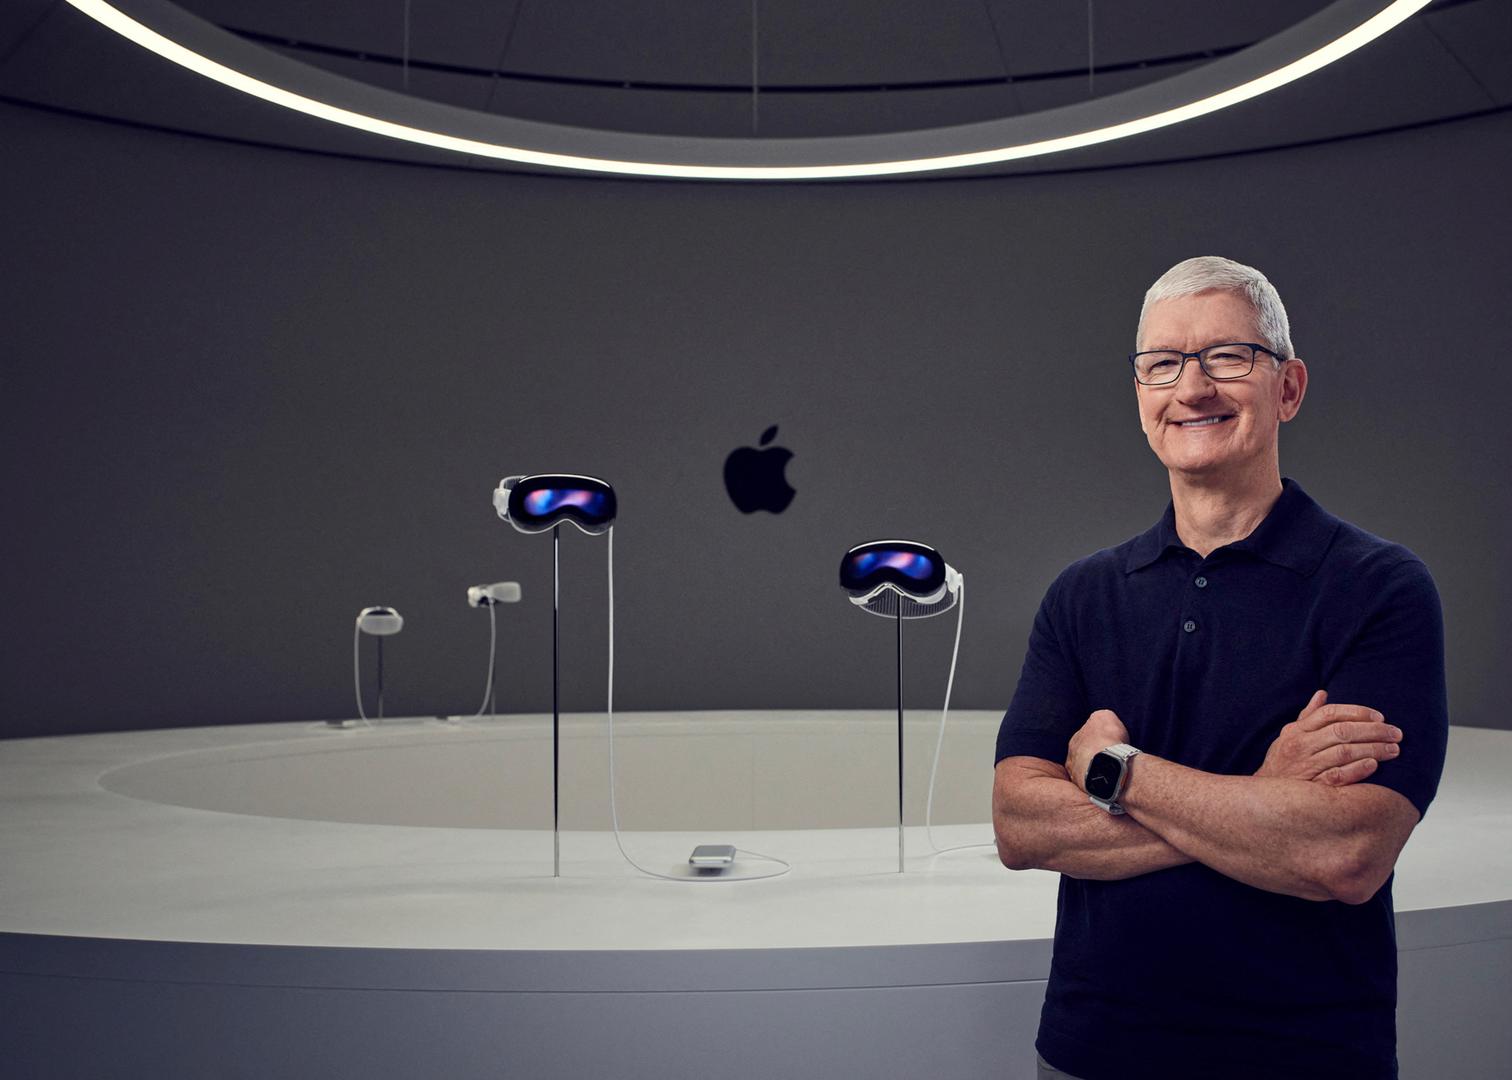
(1124, 753)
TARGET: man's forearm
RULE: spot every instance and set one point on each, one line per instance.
(1047, 823)
(1280, 835)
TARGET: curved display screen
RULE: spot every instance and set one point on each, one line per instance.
(541, 502)
(914, 568)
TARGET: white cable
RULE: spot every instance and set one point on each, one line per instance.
(614, 809)
(356, 668)
(493, 638)
(940, 739)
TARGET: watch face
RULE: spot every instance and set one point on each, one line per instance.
(1102, 775)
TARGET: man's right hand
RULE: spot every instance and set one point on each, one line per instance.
(1332, 744)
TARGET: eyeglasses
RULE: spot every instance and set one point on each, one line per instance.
(1233, 360)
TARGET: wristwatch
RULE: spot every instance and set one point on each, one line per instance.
(1108, 775)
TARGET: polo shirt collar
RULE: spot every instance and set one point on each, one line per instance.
(1295, 534)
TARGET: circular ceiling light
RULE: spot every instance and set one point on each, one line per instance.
(175, 34)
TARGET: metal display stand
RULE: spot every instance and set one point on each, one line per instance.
(556, 716)
(898, 618)
(380, 678)
(590, 504)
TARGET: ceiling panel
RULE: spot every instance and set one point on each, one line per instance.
(671, 40)
(845, 42)
(1051, 35)
(19, 19)
(465, 32)
(800, 41)
(646, 40)
(1414, 74)
(467, 91)
(777, 115)
(662, 113)
(74, 63)
(1400, 79)
(871, 112)
(1479, 35)
(1051, 93)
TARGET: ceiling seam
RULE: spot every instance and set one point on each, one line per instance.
(1466, 68)
(755, 71)
(1091, 68)
(26, 34)
(493, 86)
(406, 44)
(1002, 51)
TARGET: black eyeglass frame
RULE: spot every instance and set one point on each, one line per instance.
(1255, 347)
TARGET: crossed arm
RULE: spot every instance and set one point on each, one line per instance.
(1302, 825)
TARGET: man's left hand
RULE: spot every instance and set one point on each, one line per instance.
(1102, 729)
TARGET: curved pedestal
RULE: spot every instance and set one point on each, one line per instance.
(151, 938)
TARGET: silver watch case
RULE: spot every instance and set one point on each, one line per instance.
(1124, 753)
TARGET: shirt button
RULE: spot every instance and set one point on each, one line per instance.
(1189, 626)
(1201, 583)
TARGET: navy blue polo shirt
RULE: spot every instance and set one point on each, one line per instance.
(1184, 972)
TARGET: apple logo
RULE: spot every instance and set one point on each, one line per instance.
(754, 477)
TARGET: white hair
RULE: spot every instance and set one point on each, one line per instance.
(1215, 272)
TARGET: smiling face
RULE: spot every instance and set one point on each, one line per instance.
(1249, 410)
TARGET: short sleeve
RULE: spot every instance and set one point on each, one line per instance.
(1048, 706)
(1395, 663)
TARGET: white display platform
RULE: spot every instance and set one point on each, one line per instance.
(294, 900)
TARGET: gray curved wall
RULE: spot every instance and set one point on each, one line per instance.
(247, 392)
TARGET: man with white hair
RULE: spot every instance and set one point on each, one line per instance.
(1224, 731)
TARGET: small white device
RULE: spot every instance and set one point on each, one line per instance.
(488, 596)
(712, 856)
(380, 621)
(500, 592)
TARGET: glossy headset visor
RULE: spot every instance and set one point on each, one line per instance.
(913, 569)
(538, 503)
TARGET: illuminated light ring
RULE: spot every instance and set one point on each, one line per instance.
(173, 33)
